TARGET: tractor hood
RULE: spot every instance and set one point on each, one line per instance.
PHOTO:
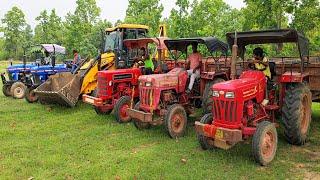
(169, 79)
(247, 80)
(20, 67)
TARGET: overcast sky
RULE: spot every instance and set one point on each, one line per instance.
(112, 10)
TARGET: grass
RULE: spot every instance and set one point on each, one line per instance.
(53, 142)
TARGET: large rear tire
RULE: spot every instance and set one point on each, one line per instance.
(138, 124)
(6, 90)
(99, 109)
(296, 113)
(120, 110)
(176, 121)
(206, 119)
(207, 96)
(30, 96)
(264, 143)
(18, 90)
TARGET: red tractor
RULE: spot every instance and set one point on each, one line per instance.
(246, 107)
(163, 97)
(116, 88)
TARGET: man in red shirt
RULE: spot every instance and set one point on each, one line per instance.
(76, 60)
(194, 66)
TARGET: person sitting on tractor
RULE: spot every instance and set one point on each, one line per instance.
(194, 66)
(76, 60)
(261, 63)
(146, 60)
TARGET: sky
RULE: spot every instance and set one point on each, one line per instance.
(112, 13)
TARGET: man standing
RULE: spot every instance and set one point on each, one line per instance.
(194, 66)
(76, 60)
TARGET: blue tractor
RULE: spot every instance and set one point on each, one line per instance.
(20, 76)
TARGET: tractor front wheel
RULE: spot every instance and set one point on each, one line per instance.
(120, 110)
(176, 121)
(207, 101)
(6, 90)
(18, 90)
(138, 124)
(203, 140)
(296, 113)
(264, 143)
(30, 96)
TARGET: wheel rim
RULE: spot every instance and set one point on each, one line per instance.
(304, 124)
(268, 145)
(177, 122)
(123, 113)
(18, 91)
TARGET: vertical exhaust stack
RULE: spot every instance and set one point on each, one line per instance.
(234, 57)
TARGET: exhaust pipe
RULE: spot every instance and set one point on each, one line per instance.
(234, 57)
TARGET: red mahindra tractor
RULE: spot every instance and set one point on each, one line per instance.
(246, 107)
(116, 88)
(163, 97)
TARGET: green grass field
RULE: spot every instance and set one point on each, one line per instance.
(53, 142)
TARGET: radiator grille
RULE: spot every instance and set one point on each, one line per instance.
(225, 110)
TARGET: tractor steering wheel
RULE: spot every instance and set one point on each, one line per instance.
(251, 66)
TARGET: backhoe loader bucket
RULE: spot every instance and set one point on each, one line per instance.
(63, 89)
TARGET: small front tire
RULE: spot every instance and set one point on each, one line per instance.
(120, 110)
(30, 96)
(176, 121)
(18, 90)
(264, 143)
(203, 141)
(138, 124)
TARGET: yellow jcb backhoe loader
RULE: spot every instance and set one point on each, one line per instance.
(66, 88)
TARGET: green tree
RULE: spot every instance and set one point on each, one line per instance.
(50, 28)
(13, 29)
(147, 12)
(80, 28)
(179, 20)
(306, 19)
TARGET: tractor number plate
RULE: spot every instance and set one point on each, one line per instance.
(219, 134)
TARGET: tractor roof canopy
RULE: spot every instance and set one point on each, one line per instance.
(50, 48)
(213, 44)
(142, 42)
(269, 37)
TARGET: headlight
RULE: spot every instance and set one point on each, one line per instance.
(229, 95)
(140, 83)
(215, 94)
(110, 83)
(148, 84)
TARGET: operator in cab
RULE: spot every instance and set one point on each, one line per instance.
(261, 63)
(76, 60)
(194, 60)
(146, 60)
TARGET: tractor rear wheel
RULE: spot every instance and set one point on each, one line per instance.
(207, 96)
(6, 90)
(138, 124)
(99, 109)
(18, 90)
(176, 121)
(296, 113)
(120, 110)
(30, 96)
(206, 119)
(264, 143)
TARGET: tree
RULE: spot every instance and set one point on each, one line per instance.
(179, 20)
(79, 27)
(14, 26)
(147, 12)
(306, 19)
(50, 28)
